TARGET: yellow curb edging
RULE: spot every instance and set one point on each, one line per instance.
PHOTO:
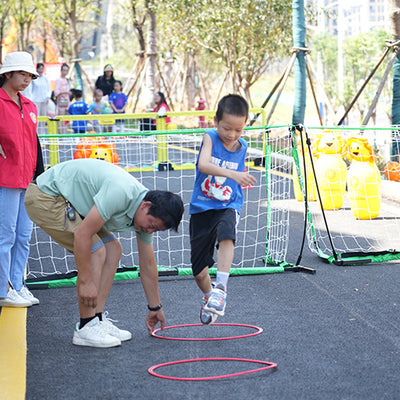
(13, 353)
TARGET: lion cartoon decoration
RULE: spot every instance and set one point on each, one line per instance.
(363, 179)
(392, 171)
(331, 170)
(95, 147)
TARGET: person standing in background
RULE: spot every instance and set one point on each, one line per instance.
(118, 103)
(78, 107)
(20, 163)
(201, 105)
(98, 106)
(161, 107)
(62, 91)
(106, 82)
(40, 93)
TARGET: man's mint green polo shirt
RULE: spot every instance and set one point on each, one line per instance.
(88, 182)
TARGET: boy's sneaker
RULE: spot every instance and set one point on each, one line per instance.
(108, 326)
(206, 317)
(93, 335)
(217, 301)
(13, 299)
(27, 295)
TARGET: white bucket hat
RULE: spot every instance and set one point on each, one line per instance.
(18, 61)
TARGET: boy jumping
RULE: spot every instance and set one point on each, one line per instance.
(216, 202)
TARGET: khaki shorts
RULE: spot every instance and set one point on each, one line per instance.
(49, 213)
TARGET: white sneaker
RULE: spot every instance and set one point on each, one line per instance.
(93, 335)
(206, 317)
(27, 295)
(217, 301)
(108, 326)
(13, 299)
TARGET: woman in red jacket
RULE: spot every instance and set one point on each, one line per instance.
(161, 107)
(18, 165)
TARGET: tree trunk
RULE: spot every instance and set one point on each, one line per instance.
(21, 36)
(75, 48)
(190, 81)
(44, 49)
(152, 54)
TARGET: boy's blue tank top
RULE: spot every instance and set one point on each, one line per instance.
(215, 193)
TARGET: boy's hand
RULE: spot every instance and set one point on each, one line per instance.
(244, 179)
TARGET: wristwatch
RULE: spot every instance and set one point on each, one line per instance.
(156, 308)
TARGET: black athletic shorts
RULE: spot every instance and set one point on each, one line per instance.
(206, 229)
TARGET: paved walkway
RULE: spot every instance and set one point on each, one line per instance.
(335, 335)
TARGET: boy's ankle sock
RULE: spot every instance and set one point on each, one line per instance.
(99, 315)
(84, 321)
(222, 277)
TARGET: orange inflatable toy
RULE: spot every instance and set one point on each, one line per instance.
(95, 147)
(363, 179)
(392, 171)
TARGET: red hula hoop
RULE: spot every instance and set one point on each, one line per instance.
(258, 331)
(269, 365)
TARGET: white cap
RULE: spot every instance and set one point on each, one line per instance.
(18, 61)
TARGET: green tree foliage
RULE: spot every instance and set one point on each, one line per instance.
(68, 21)
(73, 19)
(325, 46)
(23, 11)
(242, 35)
(361, 54)
(135, 13)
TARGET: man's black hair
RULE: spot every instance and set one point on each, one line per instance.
(167, 206)
(232, 104)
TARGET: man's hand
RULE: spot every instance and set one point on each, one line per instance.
(152, 319)
(87, 293)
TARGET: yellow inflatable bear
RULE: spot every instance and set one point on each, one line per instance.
(331, 170)
(363, 179)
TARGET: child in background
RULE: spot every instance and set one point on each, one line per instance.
(98, 106)
(161, 107)
(216, 202)
(201, 105)
(118, 103)
(78, 107)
